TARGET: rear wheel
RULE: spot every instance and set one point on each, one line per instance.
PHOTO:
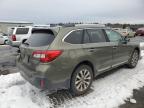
(134, 59)
(81, 80)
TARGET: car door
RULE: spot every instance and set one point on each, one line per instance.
(97, 49)
(121, 50)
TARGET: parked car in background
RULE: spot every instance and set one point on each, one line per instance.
(69, 57)
(140, 32)
(18, 35)
(3, 39)
(117, 29)
(125, 32)
(128, 32)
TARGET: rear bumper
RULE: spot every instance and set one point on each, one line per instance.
(1, 43)
(41, 81)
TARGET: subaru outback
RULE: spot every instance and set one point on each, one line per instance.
(69, 57)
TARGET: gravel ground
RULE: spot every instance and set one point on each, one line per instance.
(7, 59)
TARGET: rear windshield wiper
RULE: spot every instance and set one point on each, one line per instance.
(25, 43)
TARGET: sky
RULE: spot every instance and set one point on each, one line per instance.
(56, 11)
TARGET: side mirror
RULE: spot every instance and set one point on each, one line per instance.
(125, 40)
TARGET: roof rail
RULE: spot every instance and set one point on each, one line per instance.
(68, 25)
(41, 25)
(77, 25)
(62, 25)
(90, 25)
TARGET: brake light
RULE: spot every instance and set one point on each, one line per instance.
(46, 56)
(13, 37)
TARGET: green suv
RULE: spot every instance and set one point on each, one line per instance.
(70, 56)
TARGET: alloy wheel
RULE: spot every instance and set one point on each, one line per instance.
(135, 58)
(83, 80)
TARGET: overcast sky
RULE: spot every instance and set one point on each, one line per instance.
(54, 11)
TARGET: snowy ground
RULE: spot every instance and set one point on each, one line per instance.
(108, 91)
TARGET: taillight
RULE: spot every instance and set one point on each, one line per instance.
(13, 37)
(46, 56)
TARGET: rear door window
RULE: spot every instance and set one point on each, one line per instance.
(75, 37)
(40, 38)
(86, 38)
(22, 30)
(96, 35)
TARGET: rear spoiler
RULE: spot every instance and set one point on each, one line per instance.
(46, 30)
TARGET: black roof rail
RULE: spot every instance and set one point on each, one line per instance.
(62, 25)
(68, 25)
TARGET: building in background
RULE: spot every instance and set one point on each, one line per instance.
(5, 25)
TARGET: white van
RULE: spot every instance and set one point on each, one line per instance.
(18, 35)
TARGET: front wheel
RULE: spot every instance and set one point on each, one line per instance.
(134, 59)
(81, 80)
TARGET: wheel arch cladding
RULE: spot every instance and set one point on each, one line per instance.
(84, 63)
(137, 50)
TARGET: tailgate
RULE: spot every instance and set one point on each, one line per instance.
(40, 40)
(27, 59)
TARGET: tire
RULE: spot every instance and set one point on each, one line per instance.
(80, 85)
(5, 42)
(134, 59)
(134, 35)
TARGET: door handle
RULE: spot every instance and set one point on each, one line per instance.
(91, 50)
(114, 47)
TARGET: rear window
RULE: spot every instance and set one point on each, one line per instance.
(11, 31)
(22, 30)
(41, 38)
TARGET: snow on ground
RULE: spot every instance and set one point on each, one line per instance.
(107, 92)
(15, 92)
